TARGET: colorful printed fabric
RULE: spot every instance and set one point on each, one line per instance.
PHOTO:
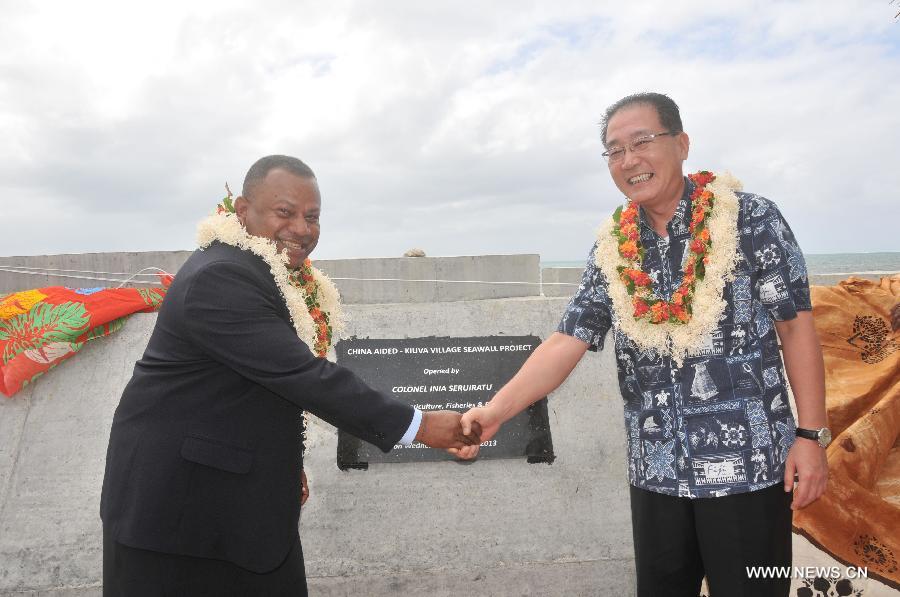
(41, 328)
(720, 424)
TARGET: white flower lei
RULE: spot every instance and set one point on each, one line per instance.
(677, 340)
(225, 228)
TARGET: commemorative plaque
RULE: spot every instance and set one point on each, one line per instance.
(445, 374)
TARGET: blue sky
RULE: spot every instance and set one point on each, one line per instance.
(434, 125)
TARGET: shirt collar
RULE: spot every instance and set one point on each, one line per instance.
(682, 213)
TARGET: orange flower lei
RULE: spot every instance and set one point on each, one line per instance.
(646, 304)
(302, 278)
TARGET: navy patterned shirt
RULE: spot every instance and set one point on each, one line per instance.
(721, 423)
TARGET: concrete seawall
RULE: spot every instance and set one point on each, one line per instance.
(360, 281)
(501, 527)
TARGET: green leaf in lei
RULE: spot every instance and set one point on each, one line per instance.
(45, 323)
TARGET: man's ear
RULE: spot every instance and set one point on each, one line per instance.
(240, 208)
(684, 144)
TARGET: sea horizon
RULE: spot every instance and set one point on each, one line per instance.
(866, 263)
(824, 269)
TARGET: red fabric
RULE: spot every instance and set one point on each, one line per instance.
(40, 328)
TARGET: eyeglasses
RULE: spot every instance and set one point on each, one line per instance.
(614, 155)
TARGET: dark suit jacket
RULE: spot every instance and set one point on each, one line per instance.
(204, 455)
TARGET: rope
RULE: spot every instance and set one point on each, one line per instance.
(82, 271)
(141, 273)
(456, 281)
(12, 271)
(131, 276)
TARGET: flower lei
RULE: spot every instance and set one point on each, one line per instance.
(311, 298)
(682, 323)
(639, 285)
(303, 277)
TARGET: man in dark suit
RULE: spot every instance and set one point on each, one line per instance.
(202, 491)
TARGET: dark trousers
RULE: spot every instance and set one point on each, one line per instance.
(678, 540)
(130, 572)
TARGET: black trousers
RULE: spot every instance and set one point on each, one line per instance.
(130, 572)
(678, 540)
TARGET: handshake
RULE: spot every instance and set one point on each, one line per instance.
(460, 434)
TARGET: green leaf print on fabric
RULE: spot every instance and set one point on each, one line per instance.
(152, 296)
(106, 329)
(42, 325)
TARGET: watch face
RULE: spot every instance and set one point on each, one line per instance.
(824, 437)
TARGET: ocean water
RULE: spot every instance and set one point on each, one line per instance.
(853, 263)
(824, 268)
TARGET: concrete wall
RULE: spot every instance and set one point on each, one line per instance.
(523, 270)
(388, 280)
(491, 527)
(114, 266)
(514, 275)
(560, 281)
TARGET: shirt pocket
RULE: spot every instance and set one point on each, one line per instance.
(217, 454)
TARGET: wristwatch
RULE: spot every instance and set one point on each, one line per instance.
(823, 435)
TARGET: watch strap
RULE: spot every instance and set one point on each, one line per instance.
(822, 436)
(812, 434)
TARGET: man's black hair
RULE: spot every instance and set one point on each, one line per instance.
(666, 108)
(258, 171)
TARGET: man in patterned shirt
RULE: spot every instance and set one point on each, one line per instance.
(713, 464)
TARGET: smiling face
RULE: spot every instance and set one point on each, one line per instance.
(284, 208)
(653, 177)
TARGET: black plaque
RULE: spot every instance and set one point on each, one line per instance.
(445, 374)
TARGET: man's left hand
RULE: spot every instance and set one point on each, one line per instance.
(304, 488)
(807, 460)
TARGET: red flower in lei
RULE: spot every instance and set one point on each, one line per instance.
(639, 285)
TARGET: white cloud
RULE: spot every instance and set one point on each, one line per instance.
(462, 131)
